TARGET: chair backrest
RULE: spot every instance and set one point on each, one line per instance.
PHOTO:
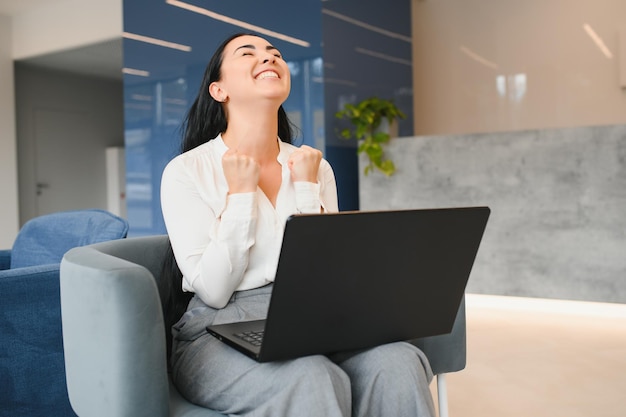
(45, 239)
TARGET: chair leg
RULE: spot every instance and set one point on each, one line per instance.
(442, 395)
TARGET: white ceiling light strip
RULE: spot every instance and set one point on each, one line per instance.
(367, 26)
(384, 56)
(598, 41)
(132, 71)
(155, 41)
(235, 22)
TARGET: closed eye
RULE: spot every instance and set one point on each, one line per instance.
(248, 50)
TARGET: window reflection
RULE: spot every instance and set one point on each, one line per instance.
(512, 87)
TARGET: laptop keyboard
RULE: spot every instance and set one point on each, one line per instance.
(253, 337)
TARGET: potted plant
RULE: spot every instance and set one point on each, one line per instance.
(367, 118)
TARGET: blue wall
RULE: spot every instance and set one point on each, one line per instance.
(367, 52)
(328, 72)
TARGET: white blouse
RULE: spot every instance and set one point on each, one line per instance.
(225, 243)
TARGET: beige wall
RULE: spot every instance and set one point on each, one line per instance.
(64, 25)
(8, 157)
(468, 56)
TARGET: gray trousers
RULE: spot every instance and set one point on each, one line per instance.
(388, 380)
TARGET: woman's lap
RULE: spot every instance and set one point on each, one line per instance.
(216, 376)
(212, 374)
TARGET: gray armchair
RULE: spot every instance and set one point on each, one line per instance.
(115, 338)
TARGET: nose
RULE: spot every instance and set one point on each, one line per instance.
(269, 58)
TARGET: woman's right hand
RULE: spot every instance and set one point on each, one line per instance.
(241, 171)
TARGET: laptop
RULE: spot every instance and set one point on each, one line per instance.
(353, 280)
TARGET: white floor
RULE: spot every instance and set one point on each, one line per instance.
(529, 357)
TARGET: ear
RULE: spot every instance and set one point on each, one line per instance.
(216, 91)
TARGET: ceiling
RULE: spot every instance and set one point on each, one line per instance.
(15, 7)
(102, 60)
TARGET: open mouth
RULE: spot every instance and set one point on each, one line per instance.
(267, 74)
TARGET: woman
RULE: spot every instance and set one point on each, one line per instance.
(225, 200)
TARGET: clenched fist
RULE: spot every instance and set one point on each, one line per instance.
(304, 164)
(241, 171)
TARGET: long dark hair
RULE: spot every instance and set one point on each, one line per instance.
(204, 121)
(206, 118)
(173, 299)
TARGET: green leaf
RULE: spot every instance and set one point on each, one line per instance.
(375, 151)
(381, 137)
(387, 167)
(365, 117)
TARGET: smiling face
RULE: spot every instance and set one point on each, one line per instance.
(251, 69)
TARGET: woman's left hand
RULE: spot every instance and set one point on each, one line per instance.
(304, 164)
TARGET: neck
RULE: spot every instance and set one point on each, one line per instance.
(254, 133)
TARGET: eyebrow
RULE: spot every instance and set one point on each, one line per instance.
(250, 46)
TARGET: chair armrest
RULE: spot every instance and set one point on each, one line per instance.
(31, 343)
(447, 352)
(115, 354)
(5, 259)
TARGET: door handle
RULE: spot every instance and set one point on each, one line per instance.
(41, 186)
